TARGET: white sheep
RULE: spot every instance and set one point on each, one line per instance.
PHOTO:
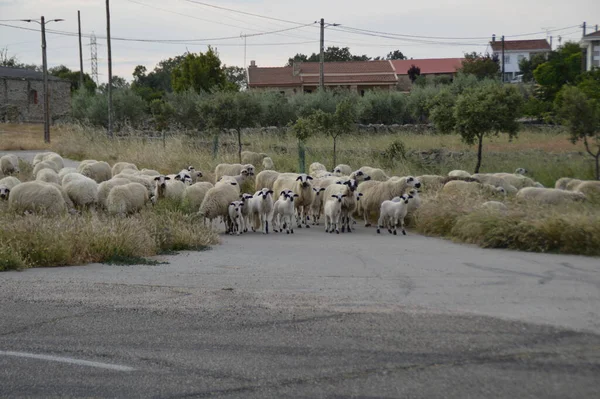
(495, 181)
(69, 177)
(299, 185)
(432, 183)
(149, 172)
(349, 202)
(49, 156)
(316, 206)
(9, 164)
(260, 208)
(245, 211)
(415, 201)
(517, 180)
(267, 164)
(316, 167)
(551, 196)
(44, 165)
(235, 217)
(375, 192)
(48, 176)
(241, 178)
(146, 181)
(562, 183)
(495, 206)
(217, 200)
(342, 170)
(196, 175)
(459, 173)
(254, 158)
(463, 188)
(97, 171)
(7, 184)
(36, 196)
(169, 189)
(266, 179)
(392, 213)
(120, 166)
(83, 191)
(333, 211)
(374, 173)
(63, 172)
(194, 195)
(127, 199)
(590, 188)
(283, 212)
(226, 169)
(105, 187)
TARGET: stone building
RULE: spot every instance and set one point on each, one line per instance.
(22, 95)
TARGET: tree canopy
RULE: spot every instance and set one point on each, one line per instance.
(482, 66)
(333, 53)
(563, 67)
(527, 66)
(201, 72)
(63, 72)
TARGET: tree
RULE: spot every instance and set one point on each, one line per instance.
(413, 73)
(395, 55)
(302, 129)
(441, 111)
(297, 58)
(589, 83)
(527, 66)
(13, 61)
(154, 85)
(228, 110)
(118, 83)
(63, 72)
(331, 54)
(482, 66)
(563, 67)
(236, 76)
(582, 116)
(487, 110)
(201, 72)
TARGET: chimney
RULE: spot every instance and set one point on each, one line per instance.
(252, 64)
(494, 38)
(296, 67)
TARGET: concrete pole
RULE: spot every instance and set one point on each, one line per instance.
(80, 51)
(46, 101)
(503, 64)
(322, 57)
(110, 114)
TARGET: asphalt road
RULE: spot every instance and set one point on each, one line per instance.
(307, 316)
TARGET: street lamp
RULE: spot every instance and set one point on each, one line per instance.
(43, 23)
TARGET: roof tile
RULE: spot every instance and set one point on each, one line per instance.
(521, 45)
(429, 66)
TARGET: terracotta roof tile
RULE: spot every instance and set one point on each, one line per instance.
(274, 76)
(428, 66)
(521, 45)
(339, 79)
(348, 67)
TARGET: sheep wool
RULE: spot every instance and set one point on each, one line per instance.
(9, 164)
(97, 171)
(120, 166)
(37, 197)
(551, 196)
(194, 195)
(375, 192)
(48, 176)
(105, 187)
(83, 191)
(127, 199)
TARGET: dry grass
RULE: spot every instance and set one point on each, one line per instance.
(17, 137)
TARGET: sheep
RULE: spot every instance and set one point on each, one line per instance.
(432, 183)
(245, 210)
(217, 199)
(149, 172)
(463, 188)
(374, 173)
(49, 156)
(316, 206)
(266, 179)
(241, 178)
(183, 176)
(168, 188)
(459, 173)
(357, 175)
(235, 217)
(573, 184)
(69, 177)
(36, 196)
(194, 195)
(315, 167)
(225, 169)
(83, 191)
(68, 202)
(48, 176)
(551, 196)
(517, 180)
(7, 184)
(375, 192)
(44, 165)
(196, 175)
(261, 209)
(283, 212)
(146, 181)
(9, 164)
(105, 187)
(561, 183)
(415, 201)
(63, 172)
(495, 181)
(300, 185)
(591, 189)
(392, 214)
(495, 206)
(349, 203)
(254, 158)
(126, 199)
(128, 172)
(342, 170)
(97, 171)
(333, 211)
(120, 166)
(267, 164)
(520, 171)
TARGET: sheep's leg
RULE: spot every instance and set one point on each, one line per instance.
(366, 216)
(306, 217)
(298, 215)
(380, 224)
(402, 227)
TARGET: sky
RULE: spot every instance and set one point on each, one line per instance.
(281, 28)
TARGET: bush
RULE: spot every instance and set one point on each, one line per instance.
(185, 107)
(276, 109)
(90, 108)
(382, 107)
(418, 100)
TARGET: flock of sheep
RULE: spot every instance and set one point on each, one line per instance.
(245, 201)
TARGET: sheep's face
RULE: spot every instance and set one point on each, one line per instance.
(250, 169)
(337, 172)
(521, 171)
(413, 182)
(245, 173)
(285, 193)
(235, 209)
(318, 190)
(338, 197)
(184, 177)
(413, 193)
(4, 191)
(304, 180)
(191, 168)
(161, 181)
(290, 197)
(358, 195)
(245, 197)
(352, 184)
(264, 193)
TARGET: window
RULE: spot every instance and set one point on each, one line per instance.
(362, 93)
(520, 58)
(33, 97)
(507, 59)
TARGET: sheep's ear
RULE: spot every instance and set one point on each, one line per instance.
(157, 178)
(338, 182)
(309, 178)
(282, 192)
(296, 195)
(167, 178)
(344, 195)
(233, 183)
(177, 177)
(348, 182)
(334, 196)
(270, 192)
(322, 189)
(299, 178)
(360, 194)
(7, 190)
(232, 204)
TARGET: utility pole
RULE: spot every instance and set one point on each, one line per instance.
(550, 42)
(110, 132)
(503, 64)
(244, 36)
(94, 58)
(322, 56)
(46, 101)
(80, 51)
(583, 28)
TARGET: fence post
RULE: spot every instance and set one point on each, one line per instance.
(301, 157)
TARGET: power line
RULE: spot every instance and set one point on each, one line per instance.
(243, 12)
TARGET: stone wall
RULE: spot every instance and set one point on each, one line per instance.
(25, 98)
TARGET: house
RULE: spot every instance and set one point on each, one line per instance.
(591, 47)
(515, 51)
(21, 95)
(303, 77)
(430, 67)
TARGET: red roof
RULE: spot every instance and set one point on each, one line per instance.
(274, 76)
(350, 67)
(338, 79)
(593, 35)
(521, 45)
(429, 66)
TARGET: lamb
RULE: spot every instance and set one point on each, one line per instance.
(245, 198)
(495, 181)
(463, 188)
(316, 207)
(7, 184)
(549, 195)
(357, 175)
(267, 164)
(196, 175)
(562, 183)
(183, 176)
(333, 212)
(225, 169)
(375, 192)
(105, 187)
(63, 172)
(36, 196)
(266, 179)
(459, 173)
(194, 195)
(149, 172)
(300, 185)
(415, 201)
(49, 156)
(120, 166)
(392, 214)
(349, 202)
(342, 170)
(83, 191)
(127, 199)
(217, 199)
(44, 165)
(283, 212)
(261, 209)
(48, 176)
(375, 173)
(97, 171)
(9, 164)
(235, 217)
(254, 158)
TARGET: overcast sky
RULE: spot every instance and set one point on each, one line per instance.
(473, 20)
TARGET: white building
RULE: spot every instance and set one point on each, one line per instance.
(515, 51)
(591, 47)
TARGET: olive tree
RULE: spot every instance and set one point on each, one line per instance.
(487, 110)
(582, 116)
